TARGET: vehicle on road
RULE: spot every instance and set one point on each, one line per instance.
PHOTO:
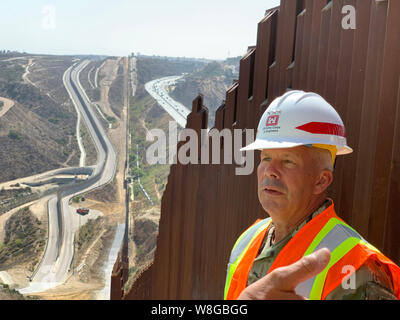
(82, 211)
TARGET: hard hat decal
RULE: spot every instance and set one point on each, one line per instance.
(323, 128)
(272, 121)
(271, 124)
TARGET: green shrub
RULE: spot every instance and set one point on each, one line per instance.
(54, 121)
(12, 134)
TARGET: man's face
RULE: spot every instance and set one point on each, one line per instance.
(286, 181)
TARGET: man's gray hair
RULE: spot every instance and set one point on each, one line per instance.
(322, 158)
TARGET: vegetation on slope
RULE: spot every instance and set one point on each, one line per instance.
(25, 239)
(152, 68)
(211, 80)
(38, 133)
(145, 114)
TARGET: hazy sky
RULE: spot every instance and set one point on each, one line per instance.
(212, 29)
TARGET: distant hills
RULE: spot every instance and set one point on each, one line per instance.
(211, 80)
(149, 68)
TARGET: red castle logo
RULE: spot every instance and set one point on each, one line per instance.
(272, 121)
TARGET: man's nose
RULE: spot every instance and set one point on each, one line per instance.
(271, 169)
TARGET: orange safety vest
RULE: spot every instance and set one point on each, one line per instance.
(326, 230)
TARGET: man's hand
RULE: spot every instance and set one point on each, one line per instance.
(280, 284)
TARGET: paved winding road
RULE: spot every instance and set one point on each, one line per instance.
(56, 264)
(157, 89)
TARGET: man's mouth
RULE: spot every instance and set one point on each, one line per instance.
(272, 191)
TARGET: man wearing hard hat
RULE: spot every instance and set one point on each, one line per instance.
(304, 250)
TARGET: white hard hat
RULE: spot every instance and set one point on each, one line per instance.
(300, 118)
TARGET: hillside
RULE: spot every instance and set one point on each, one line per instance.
(211, 80)
(32, 144)
(11, 294)
(24, 240)
(145, 114)
(152, 68)
(38, 133)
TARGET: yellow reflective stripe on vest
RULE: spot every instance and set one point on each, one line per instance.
(332, 236)
(324, 231)
(336, 255)
(259, 227)
(246, 237)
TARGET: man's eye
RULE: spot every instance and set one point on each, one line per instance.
(288, 161)
(266, 159)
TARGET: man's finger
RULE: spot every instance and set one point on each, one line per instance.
(307, 267)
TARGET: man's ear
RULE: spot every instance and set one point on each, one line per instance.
(323, 181)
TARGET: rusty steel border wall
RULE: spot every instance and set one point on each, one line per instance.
(300, 45)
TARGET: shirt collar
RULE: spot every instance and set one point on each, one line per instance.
(322, 208)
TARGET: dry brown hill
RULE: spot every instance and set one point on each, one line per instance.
(31, 144)
(211, 80)
(38, 133)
